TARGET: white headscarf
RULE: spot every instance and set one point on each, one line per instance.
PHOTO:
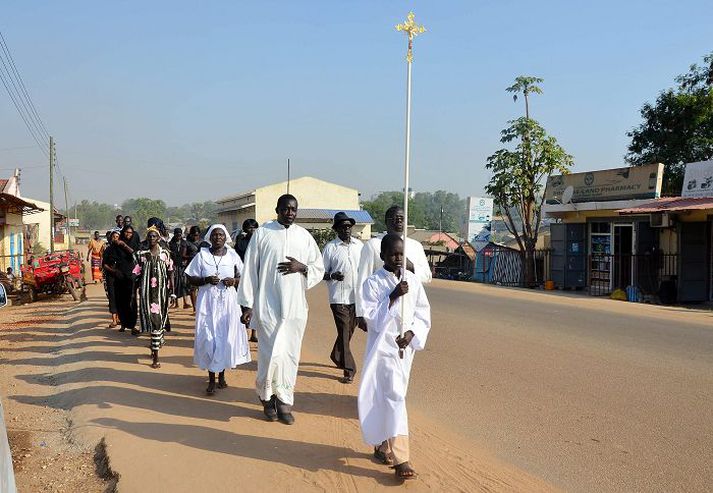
(228, 241)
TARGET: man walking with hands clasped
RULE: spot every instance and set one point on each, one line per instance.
(341, 263)
(282, 262)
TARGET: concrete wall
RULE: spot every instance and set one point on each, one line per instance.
(42, 219)
(311, 193)
(11, 242)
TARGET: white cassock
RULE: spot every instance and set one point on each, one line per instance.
(221, 339)
(370, 261)
(279, 303)
(385, 377)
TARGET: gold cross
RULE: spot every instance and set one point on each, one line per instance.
(412, 30)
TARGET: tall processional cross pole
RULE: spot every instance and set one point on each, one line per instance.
(411, 29)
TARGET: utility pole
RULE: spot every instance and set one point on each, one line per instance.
(51, 194)
(66, 214)
(288, 175)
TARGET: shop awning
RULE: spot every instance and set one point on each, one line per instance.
(671, 204)
(16, 205)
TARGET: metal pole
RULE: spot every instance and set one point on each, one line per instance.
(411, 29)
(51, 194)
(288, 175)
(407, 170)
(66, 214)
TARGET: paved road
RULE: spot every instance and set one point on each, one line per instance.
(588, 394)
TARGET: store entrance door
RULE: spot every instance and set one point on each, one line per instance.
(623, 260)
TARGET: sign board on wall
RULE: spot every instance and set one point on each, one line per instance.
(480, 214)
(698, 180)
(636, 182)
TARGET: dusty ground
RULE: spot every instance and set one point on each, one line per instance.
(163, 434)
(45, 455)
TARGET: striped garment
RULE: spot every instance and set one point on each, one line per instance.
(152, 277)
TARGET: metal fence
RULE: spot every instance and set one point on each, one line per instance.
(645, 274)
(506, 267)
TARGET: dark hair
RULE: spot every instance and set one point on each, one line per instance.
(124, 229)
(392, 210)
(119, 216)
(285, 198)
(177, 231)
(389, 241)
(154, 221)
(194, 229)
(250, 223)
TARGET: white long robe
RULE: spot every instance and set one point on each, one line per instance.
(278, 302)
(221, 339)
(385, 376)
(370, 261)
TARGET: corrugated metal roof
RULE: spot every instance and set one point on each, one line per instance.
(671, 204)
(361, 217)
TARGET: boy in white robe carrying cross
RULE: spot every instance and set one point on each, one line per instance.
(385, 378)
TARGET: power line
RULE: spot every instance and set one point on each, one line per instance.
(24, 119)
(22, 85)
(11, 79)
(18, 91)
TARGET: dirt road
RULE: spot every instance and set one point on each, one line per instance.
(163, 434)
(589, 394)
(517, 391)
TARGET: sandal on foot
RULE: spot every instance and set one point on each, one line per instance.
(155, 366)
(112, 325)
(347, 379)
(404, 471)
(135, 332)
(382, 457)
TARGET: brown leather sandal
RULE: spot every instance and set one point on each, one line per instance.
(382, 457)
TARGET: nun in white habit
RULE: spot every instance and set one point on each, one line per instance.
(221, 339)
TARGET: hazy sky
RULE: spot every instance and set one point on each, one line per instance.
(190, 101)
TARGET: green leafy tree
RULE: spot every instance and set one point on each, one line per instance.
(323, 236)
(424, 209)
(519, 174)
(677, 128)
(94, 215)
(141, 209)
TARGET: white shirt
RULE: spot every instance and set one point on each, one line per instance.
(342, 257)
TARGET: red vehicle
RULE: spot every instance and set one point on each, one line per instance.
(54, 273)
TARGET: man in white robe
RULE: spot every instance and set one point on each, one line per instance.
(370, 259)
(281, 263)
(385, 377)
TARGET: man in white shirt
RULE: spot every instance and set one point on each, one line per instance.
(371, 261)
(341, 263)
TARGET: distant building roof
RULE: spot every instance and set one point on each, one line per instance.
(361, 217)
(17, 205)
(671, 204)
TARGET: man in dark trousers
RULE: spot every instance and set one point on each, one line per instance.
(341, 261)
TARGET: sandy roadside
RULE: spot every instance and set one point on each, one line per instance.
(45, 455)
(163, 434)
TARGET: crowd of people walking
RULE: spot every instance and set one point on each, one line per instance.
(259, 285)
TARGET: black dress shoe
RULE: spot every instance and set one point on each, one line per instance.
(269, 409)
(284, 413)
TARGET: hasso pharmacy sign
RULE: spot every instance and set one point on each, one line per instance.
(637, 182)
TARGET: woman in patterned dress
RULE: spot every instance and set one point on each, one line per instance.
(154, 273)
